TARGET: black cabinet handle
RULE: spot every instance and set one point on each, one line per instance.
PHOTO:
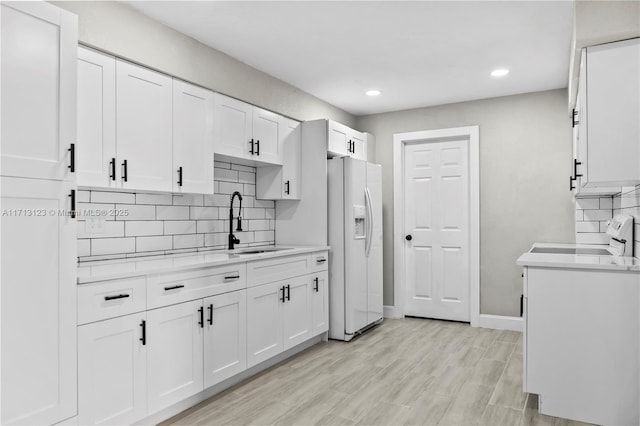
(574, 122)
(282, 297)
(201, 322)
(174, 287)
(179, 176)
(576, 163)
(257, 146)
(112, 171)
(210, 314)
(286, 187)
(571, 187)
(72, 158)
(321, 260)
(408, 237)
(288, 292)
(72, 213)
(232, 277)
(521, 304)
(251, 150)
(124, 170)
(315, 287)
(143, 339)
(119, 296)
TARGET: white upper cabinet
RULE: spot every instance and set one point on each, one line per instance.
(96, 148)
(38, 56)
(282, 183)
(143, 127)
(344, 141)
(610, 128)
(192, 138)
(245, 132)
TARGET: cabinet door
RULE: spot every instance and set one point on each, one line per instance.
(225, 337)
(232, 127)
(265, 134)
(192, 138)
(338, 135)
(320, 302)
(264, 322)
(38, 268)
(96, 148)
(174, 339)
(291, 130)
(143, 127)
(38, 57)
(112, 371)
(297, 311)
(359, 146)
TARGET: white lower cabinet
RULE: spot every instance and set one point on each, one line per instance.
(264, 322)
(112, 371)
(225, 337)
(320, 302)
(174, 339)
(297, 313)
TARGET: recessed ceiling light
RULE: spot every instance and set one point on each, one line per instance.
(500, 72)
(373, 92)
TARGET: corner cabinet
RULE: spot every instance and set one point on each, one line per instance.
(607, 154)
(37, 194)
(282, 182)
(245, 132)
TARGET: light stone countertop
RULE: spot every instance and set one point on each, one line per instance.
(577, 261)
(102, 270)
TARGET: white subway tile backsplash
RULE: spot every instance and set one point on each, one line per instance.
(588, 203)
(587, 226)
(154, 243)
(590, 215)
(579, 215)
(172, 212)
(164, 223)
(592, 238)
(110, 229)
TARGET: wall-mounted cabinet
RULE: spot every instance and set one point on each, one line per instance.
(245, 132)
(282, 182)
(142, 130)
(344, 141)
(608, 139)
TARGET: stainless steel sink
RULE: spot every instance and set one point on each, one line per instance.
(261, 250)
(572, 250)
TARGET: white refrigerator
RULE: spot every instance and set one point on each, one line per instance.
(355, 237)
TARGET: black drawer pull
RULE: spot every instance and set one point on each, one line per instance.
(174, 287)
(119, 296)
(321, 260)
(232, 277)
(315, 286)
(72, 158)
(143, 339)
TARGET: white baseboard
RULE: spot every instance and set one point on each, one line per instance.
(499, 322)
(390, 312)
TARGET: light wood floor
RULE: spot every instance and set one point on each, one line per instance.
(409, 371)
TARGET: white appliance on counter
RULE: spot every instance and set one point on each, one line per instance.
(620, 230)
(355, 237)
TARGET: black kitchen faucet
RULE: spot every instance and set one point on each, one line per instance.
(232, 239)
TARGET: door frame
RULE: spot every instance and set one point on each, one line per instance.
(471, 134)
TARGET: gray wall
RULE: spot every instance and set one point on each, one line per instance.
(127, 33)
(525, 160)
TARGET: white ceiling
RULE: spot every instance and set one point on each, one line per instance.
(418, 53)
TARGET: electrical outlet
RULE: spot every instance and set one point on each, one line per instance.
(94, 225)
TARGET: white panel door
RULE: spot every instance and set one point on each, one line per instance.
(174, 354)
(373, 249)
(320, 302)
(192, 138)
(232, 127)
(358, 145)
(290, 141)
(267, 147)
(112, 371)
(143, 127)
(297, 315)
(225, 337)
(96, 148)
(264, 322)
(338, 135)
(38, 302)
(38, 57)
(436, 181)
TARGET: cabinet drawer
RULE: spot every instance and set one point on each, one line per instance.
(168, 289)
(109, 299)
(270, 270)
(319, 261)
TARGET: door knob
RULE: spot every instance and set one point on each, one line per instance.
(408, 237)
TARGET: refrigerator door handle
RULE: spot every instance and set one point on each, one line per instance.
(367, 199)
